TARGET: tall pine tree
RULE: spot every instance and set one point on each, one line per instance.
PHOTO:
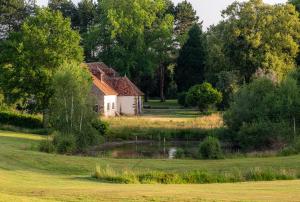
(185, 18)
(190, 65)
(13, 13)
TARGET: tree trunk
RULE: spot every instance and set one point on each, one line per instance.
(162, 82)
(45, 118)
(146, 97)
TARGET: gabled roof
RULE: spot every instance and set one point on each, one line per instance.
(109, 81)
(100, 66)
(124, 86)
(101, 85)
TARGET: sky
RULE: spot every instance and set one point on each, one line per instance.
(209, 11)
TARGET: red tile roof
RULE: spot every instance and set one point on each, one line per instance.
(108, 80)
(101, 85)
(100, 66)
(123, 86)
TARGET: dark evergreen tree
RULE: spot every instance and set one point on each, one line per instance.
(67, 8)
(190, 63)
(185, 18)
(13, 13)
(86, 13)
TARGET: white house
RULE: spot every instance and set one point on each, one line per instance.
(115, 95)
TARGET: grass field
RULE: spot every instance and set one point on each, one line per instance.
(28, 175)
(168, 119)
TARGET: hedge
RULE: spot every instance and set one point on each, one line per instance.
(20, 120)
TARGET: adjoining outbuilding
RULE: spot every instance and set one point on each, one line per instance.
(115, 95)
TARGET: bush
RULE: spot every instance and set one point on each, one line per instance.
(20, 120)
(89, 136)
(210, 148)
(101, 126)
(46, 146)
(262, 113)
(180, 153)
(263, 134)
(292, 149)
(64, 143)
(181, 98)
(203, 96)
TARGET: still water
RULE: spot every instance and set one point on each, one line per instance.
(147, 149)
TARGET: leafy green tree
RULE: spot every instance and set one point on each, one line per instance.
(12, 14)
(258, 35)
(31, 57)
(190, 65)
(185, 18)
(203, 96)
(296, 3)
(71, 104)
(216, 60)
(133, 36)
(228, 84)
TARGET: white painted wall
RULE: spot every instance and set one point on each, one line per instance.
(110, 99)
(126, 104)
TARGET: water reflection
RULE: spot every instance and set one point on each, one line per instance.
(149, 149)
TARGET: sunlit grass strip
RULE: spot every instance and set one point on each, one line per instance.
(125, 176)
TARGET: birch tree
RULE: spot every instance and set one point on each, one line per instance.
(71, 110)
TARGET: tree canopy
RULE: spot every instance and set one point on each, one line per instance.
(262, 36)
(30, 57)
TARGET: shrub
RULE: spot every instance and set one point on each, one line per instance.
(64, 143)
(180, 153)
(292, 149)
(89, 136)
(203, 96)
(101, 126)
(46, 146)
(263, 134)
(20, 120)
(181, 98)
(210, 148)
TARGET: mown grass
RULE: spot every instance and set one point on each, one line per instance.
(168, 104)
(29, 175)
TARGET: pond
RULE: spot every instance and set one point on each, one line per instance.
(147, 149)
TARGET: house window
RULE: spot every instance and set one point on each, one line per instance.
(113, 105)
(108, 106)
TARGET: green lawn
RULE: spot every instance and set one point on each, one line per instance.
(168, 104)
(28, 175)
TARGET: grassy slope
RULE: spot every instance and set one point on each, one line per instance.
(30, 175)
